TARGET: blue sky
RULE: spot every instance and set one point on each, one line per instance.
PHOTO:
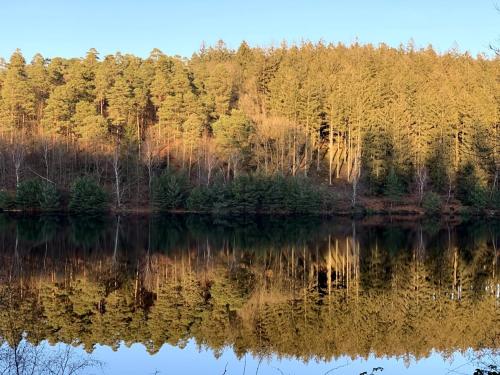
(70, 27)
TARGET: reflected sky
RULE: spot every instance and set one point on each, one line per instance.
(194, 359)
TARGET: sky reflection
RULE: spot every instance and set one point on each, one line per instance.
(199, 360)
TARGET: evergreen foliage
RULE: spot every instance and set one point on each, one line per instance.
(35, 194)
(466, 183)
(246, 195)
(301, 197)
(254, 194)
(432, 204)
(470, 191)
(478, 197)
(87, 196)
(393, 188)
(377, 116)
(29, 194)
(49, 197)
(7, 201)
(200, 199)
(169, 191)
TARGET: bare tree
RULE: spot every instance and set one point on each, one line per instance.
(117, 174)
(211, 161)
(45, 144)
(356, 174)
(148, 160)
(25, 358)
(421, 177)
(18, 154)
(356, 171)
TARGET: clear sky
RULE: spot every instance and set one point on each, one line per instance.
(71, 27)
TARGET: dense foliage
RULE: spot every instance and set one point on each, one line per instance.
(87, 196)
(7, 201)
(387, 121)
(169, 191)
(36, 194)
(260, 194)
(432, 203)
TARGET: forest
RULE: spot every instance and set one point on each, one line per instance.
(290, 129)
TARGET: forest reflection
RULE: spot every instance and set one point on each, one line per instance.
(302, 288)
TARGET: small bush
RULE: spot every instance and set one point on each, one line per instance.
(29, 194)
(478, 197)
(394, 187)
(49, 198)
(495, 200)
(432, 204)
(274, 193)
(466, 181)
(87, 196)
(36, 194)
(246, 195)
(254, 194)
(7, 201)
(329, 199)
(169, 191)
(220, 194)
(301, 197)
(200, 199)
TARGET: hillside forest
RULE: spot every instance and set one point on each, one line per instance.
(294, 128)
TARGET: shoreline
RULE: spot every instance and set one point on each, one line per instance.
(363, 212)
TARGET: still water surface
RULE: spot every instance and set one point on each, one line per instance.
(198, 295)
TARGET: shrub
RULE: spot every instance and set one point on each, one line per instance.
(274, 193)
(438, 166)
(49, 198)
(7, 201)
(245, 195)
(432, 204)
(329, 199)
(470, 191)
(359, 211)
(394, 188)
(169, 191)
(220, 194)
(87, 196)
(467, 182)
(36, 194)
(29, 194)
(495, 200)
(253, 194)
(301, 197)
(478, 197)
(200, 199)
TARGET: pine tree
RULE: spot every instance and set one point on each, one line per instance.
(87, 197)
(393, 186)
(18, 100)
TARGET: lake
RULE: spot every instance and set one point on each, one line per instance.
(264, 295)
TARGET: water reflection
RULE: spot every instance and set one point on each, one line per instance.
(309, 289)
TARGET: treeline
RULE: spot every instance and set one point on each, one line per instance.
(173, 192)
(388, 121)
